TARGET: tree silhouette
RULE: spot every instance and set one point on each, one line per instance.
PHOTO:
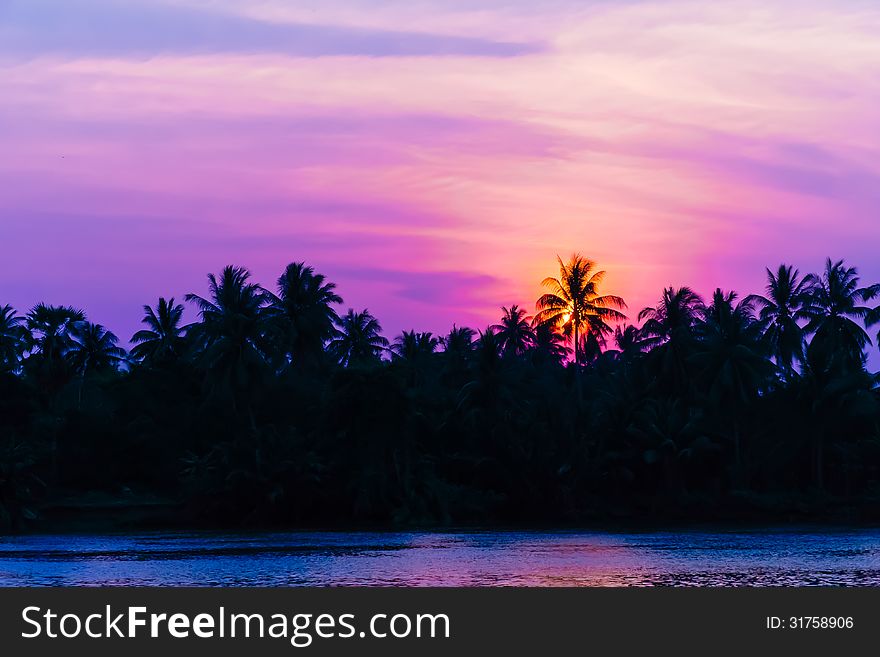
(163, 340)
(515, 331)
(93, 349)
(305, 305)
(574, 304)
(359, 339)
(834, 304)
(459, 340)
(780, 312)
(233, 336)
(669, 331)
(269, 410)
(13, 338)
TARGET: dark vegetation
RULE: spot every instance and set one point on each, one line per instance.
(272, 409)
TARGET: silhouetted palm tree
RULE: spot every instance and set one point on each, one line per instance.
(305, 304)
(549, 345)
(835, 303)
(515, 331)
(359, 339)
(730, 363)
(669, 331)
(164, 339)
(629, 342)
(93, 348)
(574, 304)
(50, 329)
(233, 334)
(779, 312)
(459, 341)
(13, 338)
(673, 318)
(413, 346)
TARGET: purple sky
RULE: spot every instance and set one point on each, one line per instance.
(431, 156)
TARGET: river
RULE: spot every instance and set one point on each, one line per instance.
(767, 557)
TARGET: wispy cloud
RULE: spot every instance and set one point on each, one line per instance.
(139, 28)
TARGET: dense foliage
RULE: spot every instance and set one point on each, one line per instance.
(274, 408)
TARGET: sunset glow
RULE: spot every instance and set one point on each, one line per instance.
(433, 157)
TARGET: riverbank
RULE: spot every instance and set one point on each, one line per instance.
(101, 512)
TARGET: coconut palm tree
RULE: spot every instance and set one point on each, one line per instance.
(674, 318)
(359, 339)
(669, 332)
(413, 346)
(164, 339)
(628, 341)
(515, 331)
(459, 340)
(730, 363)
(50, 329)
(93, 349)
(234, 336)
(834, 306)
(549, 345)
(779, 312)
(574, 304)
(13, 338)
(305, 307)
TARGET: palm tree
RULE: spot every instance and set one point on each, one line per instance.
(412, 346)
(304, 303)
(164, 339)
(93, 348)
(834, 304)
(459, 340)
(674, 318)
(50, 327)
(549, 345)
(515, 331)
(359, 339)
(233, 334)
(13, 338)
(669, 333)
(730, 363)
(629, 342)
(779, 312)
(574, 304)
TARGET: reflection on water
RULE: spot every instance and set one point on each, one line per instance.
(754, 558)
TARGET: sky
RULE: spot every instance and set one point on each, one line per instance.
(431, 157)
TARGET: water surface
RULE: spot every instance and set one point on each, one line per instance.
(687, 558)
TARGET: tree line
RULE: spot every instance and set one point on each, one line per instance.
(275, 409)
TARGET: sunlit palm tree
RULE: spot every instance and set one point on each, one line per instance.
(93, 349)
(164, 339)
(359, 339)
(779, 312)
(305, 305)
(13, 338)
(834, 305)
(515, 331)
(574, 304)
(233, 334)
